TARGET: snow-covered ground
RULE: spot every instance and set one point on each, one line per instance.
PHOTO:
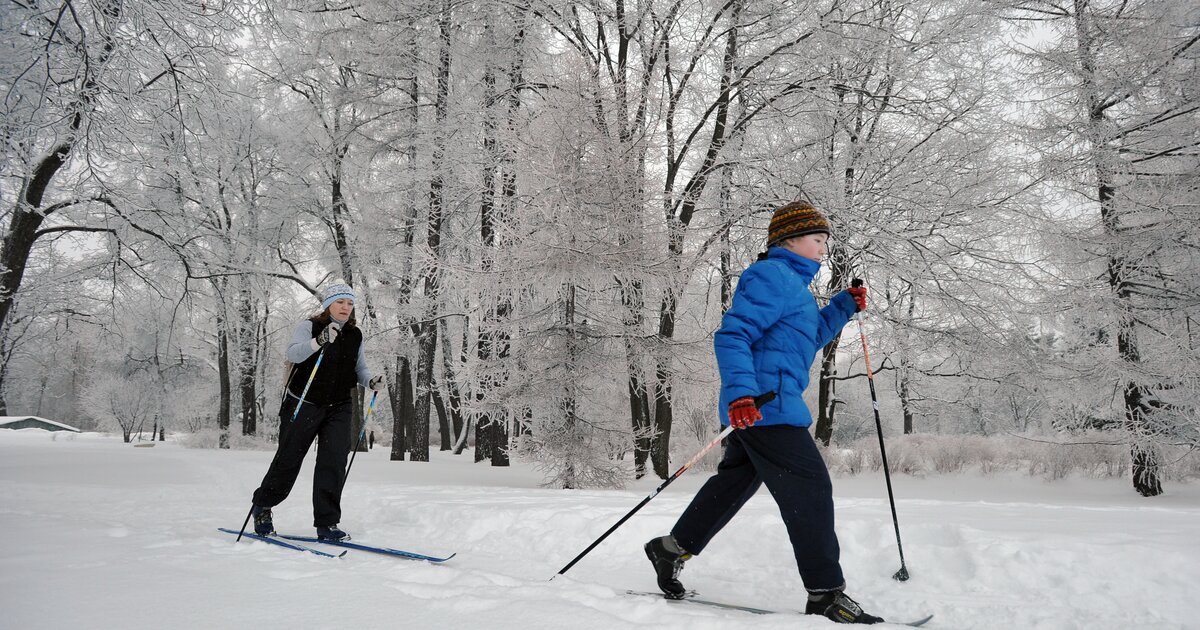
(98, 534)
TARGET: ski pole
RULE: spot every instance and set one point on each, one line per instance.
(759, 401)
(902, 574)
(295, 414)
(358, 443)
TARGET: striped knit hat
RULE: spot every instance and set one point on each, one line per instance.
(338, 289)
(795, 219)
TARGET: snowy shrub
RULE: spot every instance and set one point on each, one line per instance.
(848, 461)
(949, 460)
(1092, 454)
(123, 403)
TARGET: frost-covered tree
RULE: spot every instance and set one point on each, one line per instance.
(1118, 138)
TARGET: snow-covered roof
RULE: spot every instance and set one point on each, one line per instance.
(6, 420)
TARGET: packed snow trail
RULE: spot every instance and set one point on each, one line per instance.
(99, 534)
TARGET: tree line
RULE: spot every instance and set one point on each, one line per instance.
(545, 205)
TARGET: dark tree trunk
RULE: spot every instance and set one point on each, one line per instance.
(248, 384)
(827, 393)
(419, 438)
(639, 404)
(427, 331)
(223, 373)
(401, 397)
(22, 233)
(906, 394)
(449, 414)
(677, 225)
(28, 213)
(1145, 463)
(439, 406)
(839, 266)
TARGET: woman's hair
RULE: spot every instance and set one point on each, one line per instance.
(322, 317)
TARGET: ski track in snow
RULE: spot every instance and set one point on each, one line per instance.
(102, 535)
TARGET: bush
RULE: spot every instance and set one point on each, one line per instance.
(1091, 454)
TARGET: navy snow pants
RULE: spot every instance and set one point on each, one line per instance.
(330, 426)
(786, 459)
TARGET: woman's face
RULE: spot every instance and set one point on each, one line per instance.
(811, 246)
(341, 308)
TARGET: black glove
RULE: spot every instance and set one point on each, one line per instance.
(327, 335)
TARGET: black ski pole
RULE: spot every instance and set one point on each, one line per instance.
(296, 414)
(358, 443)
(758, 402)
(902, 574)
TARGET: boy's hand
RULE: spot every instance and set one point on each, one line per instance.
(859, 292)
(743, 413)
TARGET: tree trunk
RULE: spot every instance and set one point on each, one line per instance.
(401, 395)
(427, 331)
(827, 392)
(27, 213)
(839, 267)
(1145, 462)
(223, 368)
(449, 414)
(22, 232)
(439, 406)
(677, 225)
(248, 366)
(906, 369)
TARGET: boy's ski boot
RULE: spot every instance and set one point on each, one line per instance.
(667, 557)
(838, 606)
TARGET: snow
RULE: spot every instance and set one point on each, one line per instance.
(99, 534)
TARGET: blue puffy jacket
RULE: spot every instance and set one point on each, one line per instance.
(770, 336)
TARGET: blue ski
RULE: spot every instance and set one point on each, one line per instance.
(383, 550)
(282, 543)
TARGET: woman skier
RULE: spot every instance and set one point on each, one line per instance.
(328, 357)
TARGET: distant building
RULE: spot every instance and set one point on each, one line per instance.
(34, 422)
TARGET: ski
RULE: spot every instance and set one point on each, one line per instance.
(274, 540)
(360, 547)
(692, 598)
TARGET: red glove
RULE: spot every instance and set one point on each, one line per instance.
(743, 413)
(859, 293)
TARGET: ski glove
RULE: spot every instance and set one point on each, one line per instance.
(859, 293)
(743, 413)
(376, 383)
(327, 335)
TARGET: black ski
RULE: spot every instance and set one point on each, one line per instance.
(692, 598)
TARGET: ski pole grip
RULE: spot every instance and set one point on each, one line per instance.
(763, 399)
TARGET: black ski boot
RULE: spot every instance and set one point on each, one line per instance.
(667, 557)
(263, 525)
(837, 606)
(331, 532)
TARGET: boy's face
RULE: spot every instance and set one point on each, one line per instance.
(811, 246)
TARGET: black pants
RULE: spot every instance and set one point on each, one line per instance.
(786, 459)
(330, 426)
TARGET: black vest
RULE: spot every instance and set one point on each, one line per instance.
(336, 378)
